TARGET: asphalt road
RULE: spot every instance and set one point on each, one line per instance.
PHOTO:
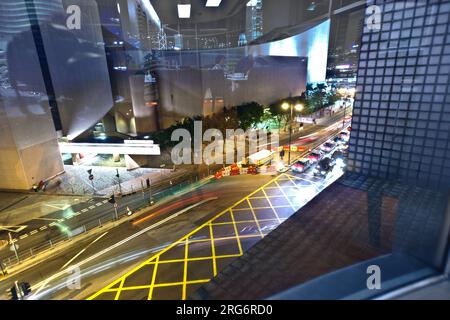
(102, 259)
(117, 259)
(43, 232)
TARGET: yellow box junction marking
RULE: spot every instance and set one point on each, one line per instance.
(230, 218)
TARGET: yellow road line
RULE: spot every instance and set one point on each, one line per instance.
(243, 221)
(258, 208)
(152, 285)
(256, 219)
(213, 250)
(271, 206)
(195, 259)
(236, 232)
(290, 203)
(175, 243)
(274, 196)
(158, 285)
(119, 289)
(186, 253)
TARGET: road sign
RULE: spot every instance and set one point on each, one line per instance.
(91, 177)
(116, 205)
(14, 249)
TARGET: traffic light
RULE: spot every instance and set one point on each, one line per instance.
(26, 288)
(13, 293)
(112, 199)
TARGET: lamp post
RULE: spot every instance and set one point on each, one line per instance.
(298, 107)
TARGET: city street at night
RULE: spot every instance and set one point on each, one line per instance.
(223, 158)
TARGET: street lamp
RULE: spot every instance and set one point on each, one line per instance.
(298, 107)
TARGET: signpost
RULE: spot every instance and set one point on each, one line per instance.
(118, 179)
(91, 178)
(115, 210)
(14, 247)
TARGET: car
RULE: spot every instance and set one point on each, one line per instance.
(315, 156)
(324, 167)
(328, 146)
(339, 159)
(338, 141)
(344, 136)
(301, 165)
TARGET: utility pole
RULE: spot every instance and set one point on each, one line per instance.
(14, 246)
(91, 178)
(118, 179)
(113, 201)
(18, 290)
(150, 191)
(290, 133)
(115, 211)
(345, 112)
(290, 106)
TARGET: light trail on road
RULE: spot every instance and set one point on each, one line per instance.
(41, 285)
(175, 205)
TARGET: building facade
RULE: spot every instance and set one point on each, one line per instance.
(401, 118)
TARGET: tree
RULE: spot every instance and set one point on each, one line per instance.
(277, 113)
(249, 114)
(333, 97)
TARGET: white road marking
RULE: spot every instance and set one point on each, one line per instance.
(23, 236)
(47, 219)
(43, 228)
(92, 207)
(41, 285)
(85, 210)
(33, 232)
(79, 253)
(98, 204)
(13, 228)
(58, 206)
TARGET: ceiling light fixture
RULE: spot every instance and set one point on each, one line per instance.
(184, 11)
(213, 3)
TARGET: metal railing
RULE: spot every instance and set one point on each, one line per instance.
(160, 191)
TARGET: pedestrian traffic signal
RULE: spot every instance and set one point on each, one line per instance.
(112, 199)
(13, 294)
(26, 288)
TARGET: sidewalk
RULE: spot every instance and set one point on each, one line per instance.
(59, 248)
(75, 180)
